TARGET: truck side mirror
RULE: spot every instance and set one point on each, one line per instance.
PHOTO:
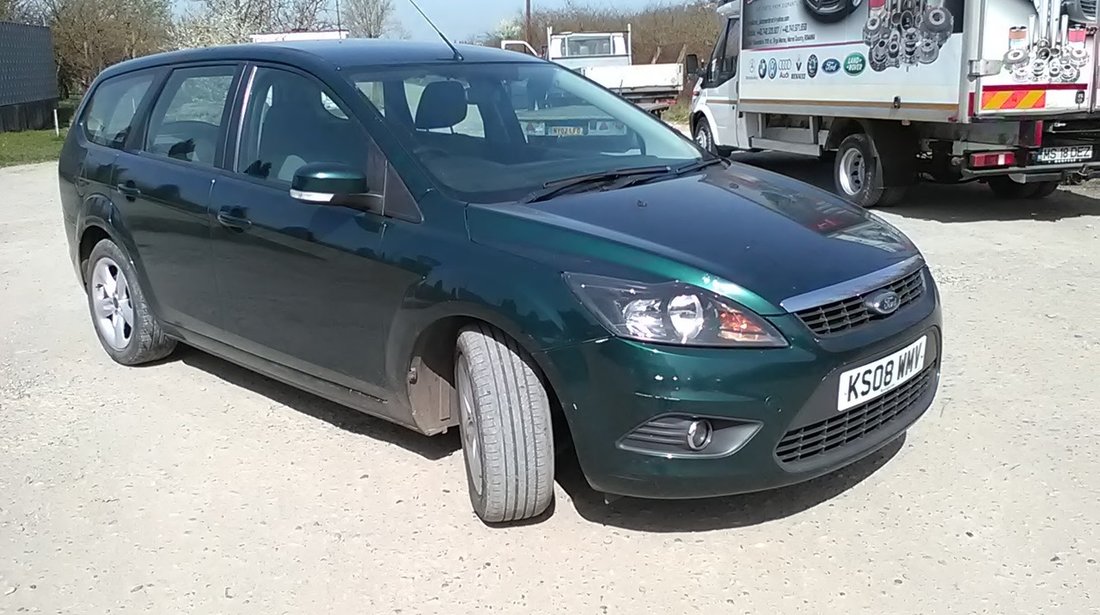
(691, 64)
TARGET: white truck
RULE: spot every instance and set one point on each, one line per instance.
(608, 59)
(999, 91)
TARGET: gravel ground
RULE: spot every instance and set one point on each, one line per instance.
(195, 486)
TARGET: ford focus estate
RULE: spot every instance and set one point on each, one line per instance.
(481, 240)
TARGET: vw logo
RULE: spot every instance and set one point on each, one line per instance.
(883, 303)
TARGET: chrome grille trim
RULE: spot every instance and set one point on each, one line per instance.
(853, 287)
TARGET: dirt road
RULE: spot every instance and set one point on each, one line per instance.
(195, 486)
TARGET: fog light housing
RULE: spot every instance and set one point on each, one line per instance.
(699, 434)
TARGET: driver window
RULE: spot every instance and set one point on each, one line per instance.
(187, 121)
(724, 61)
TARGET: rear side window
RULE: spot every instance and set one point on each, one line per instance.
(186, 123)
(114, 105)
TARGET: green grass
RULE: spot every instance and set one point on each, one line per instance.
(29, 146)
(680, 113)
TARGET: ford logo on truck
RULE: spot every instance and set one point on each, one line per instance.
(830, 66)
(855, 63)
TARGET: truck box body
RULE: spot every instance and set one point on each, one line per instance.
(912, 59)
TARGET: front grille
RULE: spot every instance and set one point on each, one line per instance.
(850, 313)
(1088, 7)
(828, 435)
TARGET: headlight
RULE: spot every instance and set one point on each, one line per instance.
(672, 313)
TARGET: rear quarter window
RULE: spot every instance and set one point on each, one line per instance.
(110, 115)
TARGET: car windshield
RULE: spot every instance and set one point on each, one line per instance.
(497, 132)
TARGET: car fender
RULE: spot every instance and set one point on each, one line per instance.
(98, 211)
(702, 112)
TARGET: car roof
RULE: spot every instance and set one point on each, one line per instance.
(334, 54)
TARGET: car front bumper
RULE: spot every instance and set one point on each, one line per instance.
(610, 387)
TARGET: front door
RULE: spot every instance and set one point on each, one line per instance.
(164, 193)
(304, 285)
(721, 85)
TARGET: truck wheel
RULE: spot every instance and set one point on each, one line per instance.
(123, 320)
(507, 439)
(703, 136)
(857, 172)
(1006, 188)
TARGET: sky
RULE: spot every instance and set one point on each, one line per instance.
(465, 19)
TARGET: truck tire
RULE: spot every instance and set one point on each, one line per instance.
(703, 136)
(505, 424)
(1005, 188)
(124, 322)
(857, 172)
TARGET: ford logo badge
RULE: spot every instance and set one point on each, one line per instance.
(884, 303)
(831, 65)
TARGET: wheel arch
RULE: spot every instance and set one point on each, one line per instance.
(703, 114)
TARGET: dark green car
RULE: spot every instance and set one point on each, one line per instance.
(374, 222)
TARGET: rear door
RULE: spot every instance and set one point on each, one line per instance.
(1048, 50)
(163, 184)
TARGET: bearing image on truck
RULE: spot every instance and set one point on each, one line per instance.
(998, 91)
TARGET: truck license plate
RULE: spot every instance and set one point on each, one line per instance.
(1062, 155)
(567, 131)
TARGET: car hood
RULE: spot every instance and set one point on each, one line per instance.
(768, 234)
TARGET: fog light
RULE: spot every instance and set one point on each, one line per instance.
(699, 434)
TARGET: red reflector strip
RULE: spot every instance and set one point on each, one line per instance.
(992, 159)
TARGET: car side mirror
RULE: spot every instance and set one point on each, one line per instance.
(328, 183)
(691, 64)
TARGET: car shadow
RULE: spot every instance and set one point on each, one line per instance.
(432, 448)
(947, 203)
(716, 513)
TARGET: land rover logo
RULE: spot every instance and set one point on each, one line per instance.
(884, 303)
(830, 66)
(855, 63)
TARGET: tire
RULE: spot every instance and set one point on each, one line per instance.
(704, 137)
(1045, 189)
(505, 424)
(857, 173)
(1005, 188)
(121, 317)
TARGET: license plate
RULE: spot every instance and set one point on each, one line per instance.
(862, 384)
(567, 131)
(1062, 155)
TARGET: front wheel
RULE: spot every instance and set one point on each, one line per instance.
(505, 425)
(704, 138)
(857, 172)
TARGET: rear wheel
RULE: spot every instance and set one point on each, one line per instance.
(857, 172)
(505, 424)
(125, 325)
(1007, 188)
(1046, 189)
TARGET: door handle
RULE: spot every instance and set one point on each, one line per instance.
(236, 223)
(129, 190)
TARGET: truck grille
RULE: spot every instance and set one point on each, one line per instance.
(831, 434)
(851, 313)
(1088, 7)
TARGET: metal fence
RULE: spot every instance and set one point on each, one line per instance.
(28, 77)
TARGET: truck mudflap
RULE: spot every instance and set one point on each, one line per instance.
(1038, 57)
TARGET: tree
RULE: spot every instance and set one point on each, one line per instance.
(372, 19)
(222, 22)
(90, 35)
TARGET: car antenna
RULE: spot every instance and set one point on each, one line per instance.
(457, 56)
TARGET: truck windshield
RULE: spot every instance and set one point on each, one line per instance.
(497, 132)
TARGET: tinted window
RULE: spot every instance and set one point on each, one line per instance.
(290, 121)
(113, 107)
(495, 132)
(588, 46)
(187, 120)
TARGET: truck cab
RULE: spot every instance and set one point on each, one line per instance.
(717, 125)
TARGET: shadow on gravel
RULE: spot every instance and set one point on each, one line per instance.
(432, 448)
(970, 202)
(716, 513)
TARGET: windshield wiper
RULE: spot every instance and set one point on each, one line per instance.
(699, 164)
(591, 180)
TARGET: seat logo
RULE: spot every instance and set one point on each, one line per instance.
(884, 303)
